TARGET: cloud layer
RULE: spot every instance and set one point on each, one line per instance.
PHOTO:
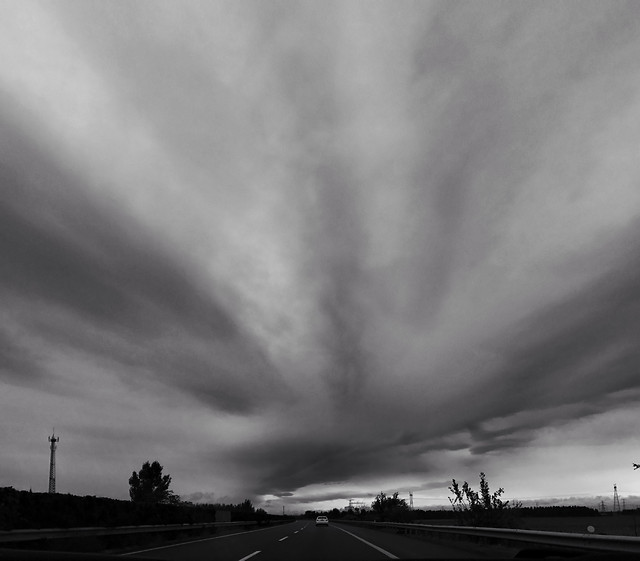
(305, 254)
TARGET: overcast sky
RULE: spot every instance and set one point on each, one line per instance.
(302, 252)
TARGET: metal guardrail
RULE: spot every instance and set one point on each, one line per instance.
(7, 536)
(589, 542)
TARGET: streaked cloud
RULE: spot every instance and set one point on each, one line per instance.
(299, 253)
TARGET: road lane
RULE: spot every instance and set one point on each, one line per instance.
(303, 540)
(372, 545)
(320, 543)
(228, 547)
(407, 547)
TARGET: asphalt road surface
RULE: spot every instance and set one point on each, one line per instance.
(302, 540)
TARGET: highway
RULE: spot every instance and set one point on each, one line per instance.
(302, 540)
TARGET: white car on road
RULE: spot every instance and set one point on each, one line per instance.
(322, 521)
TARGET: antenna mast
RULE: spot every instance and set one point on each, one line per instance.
(52, 463)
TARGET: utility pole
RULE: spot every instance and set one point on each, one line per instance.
(52, 463)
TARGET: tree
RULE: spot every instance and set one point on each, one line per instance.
(245, 507)
(390, 507)
(483, 508)
(150, 486)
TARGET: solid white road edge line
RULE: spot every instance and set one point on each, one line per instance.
(383, 551)
(249, 556)
(196, 541)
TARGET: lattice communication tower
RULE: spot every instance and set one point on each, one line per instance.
(52, 463)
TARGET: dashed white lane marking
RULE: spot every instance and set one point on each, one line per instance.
(282, 539)
(249, 556)
(383, 551)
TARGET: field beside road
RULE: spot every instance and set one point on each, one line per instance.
(609, 525)
(619, 525)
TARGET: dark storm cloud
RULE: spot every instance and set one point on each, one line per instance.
(573, 359)
(560, 354)
(106, 435)
(197, 130)
(542, 364)
(292, 463)
(306, 462)
(405, 231)
(333, 231)
(576, 357)
(77, 256)
(496, 112)
(336, 247)
(61, 246)
(18, 364)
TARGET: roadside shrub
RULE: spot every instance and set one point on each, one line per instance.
(482, 508)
